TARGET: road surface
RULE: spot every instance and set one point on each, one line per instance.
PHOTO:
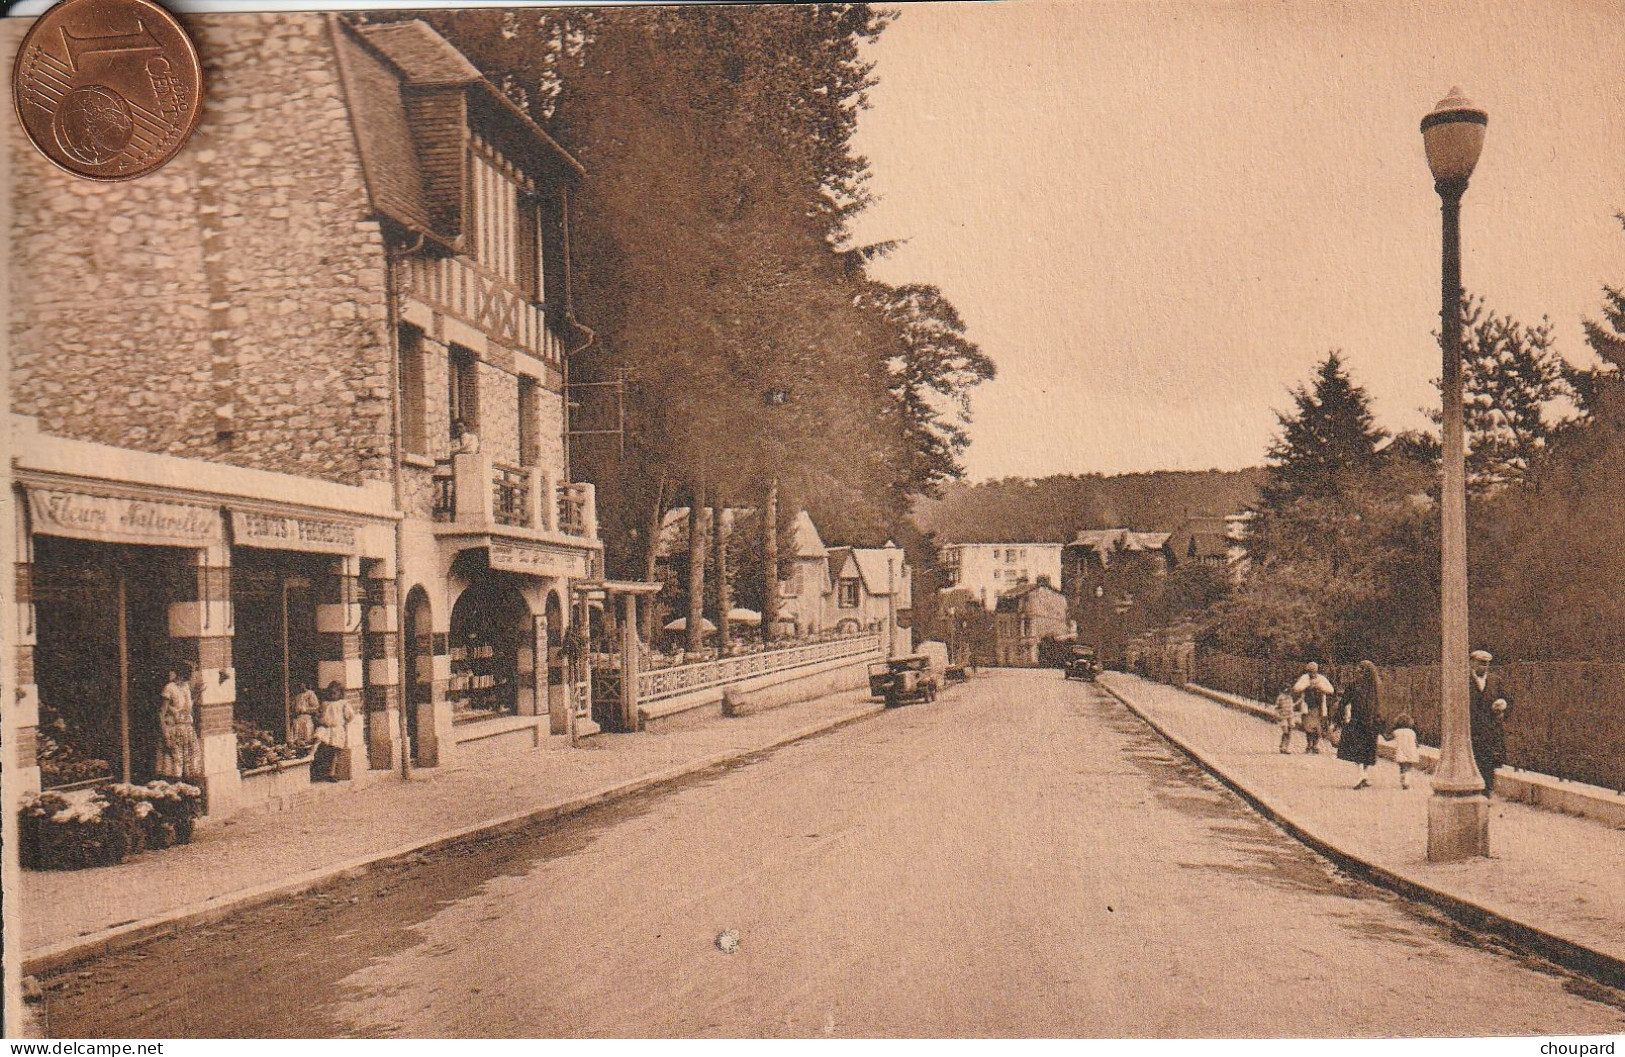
(1021, 858)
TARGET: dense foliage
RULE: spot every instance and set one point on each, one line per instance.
(1053, 509)
(1346, 553)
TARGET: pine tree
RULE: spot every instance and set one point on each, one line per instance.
(1331, 436)
(1513, 379)
(1597, 386)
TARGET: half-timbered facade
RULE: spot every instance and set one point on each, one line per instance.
(303, 426)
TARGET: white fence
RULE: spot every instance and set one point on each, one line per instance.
(664, 683)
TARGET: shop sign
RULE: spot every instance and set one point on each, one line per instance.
(276, 532)
(538, 561)
(110, 519)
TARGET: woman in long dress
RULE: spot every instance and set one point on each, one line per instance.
(1361, 720)
(179, 754)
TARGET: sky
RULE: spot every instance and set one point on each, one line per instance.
(1158, 217)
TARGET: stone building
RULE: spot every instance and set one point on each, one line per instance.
(1023, 618)
(289, 411)
(987, 570)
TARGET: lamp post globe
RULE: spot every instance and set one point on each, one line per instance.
(1453, 137)
(1458, 811)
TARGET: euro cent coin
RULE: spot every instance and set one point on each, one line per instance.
(108, 89)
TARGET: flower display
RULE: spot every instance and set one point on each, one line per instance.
(105, 825)
(257, 747)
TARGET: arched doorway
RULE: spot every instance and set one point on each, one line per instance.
(490, 623)
(419, 627)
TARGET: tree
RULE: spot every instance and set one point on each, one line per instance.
(1331, 435)
(1514, 383)
(1593, 386)
(932, 373)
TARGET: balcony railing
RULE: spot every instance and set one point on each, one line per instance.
(473, 491)
(510, 495)
(482, 299)
(704, 675)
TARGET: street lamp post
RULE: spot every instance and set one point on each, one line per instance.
(1458, 811)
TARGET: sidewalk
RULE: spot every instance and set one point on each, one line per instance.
(1554, 883)
(71, 914)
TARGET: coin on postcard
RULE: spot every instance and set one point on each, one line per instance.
(108, 89)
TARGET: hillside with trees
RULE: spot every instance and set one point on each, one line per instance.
(1053, 509)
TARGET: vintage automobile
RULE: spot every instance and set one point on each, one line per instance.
(909, 680)
(1082, 664)
(879, 678)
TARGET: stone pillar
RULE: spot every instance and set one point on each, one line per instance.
(382, 696)
(589, 509)
(338, 627)
(25, 714)
(629, 662)
(201, 624)
(528, 695)
(547, 488)
(475, 502)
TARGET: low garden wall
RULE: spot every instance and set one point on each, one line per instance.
(1567, 719)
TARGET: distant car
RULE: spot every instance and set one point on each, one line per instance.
(1082, 664)
(909, 680)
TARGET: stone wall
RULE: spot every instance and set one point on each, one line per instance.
(231, 306)
(499, 414)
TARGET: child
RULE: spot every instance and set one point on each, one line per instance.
(306, 707)
(1285, 709)
(1403, 736)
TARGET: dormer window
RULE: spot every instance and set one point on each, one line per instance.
(505, 221)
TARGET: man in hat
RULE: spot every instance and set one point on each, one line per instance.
(1489, 706)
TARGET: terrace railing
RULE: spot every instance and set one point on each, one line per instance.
(662, 683)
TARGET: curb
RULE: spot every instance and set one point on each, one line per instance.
(1576, 957)
(53, 958)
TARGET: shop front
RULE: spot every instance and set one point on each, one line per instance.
(487, 681)
(121, 598)
(313, 619)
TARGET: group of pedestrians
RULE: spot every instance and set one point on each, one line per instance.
(1353, 720)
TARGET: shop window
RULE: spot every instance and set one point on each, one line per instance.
(462, 392)
(848, 597)
(489, 626)
(102, 657)
(414, 437)
(276, 648)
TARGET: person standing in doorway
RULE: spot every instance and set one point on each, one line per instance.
(306, 708)
(1489, 705)
(332, 732)
(179, 754)
(1313, 692)
(1362, 707)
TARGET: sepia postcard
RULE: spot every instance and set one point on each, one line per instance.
(1044, 519)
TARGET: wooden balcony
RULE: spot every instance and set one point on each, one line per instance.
(482, 300)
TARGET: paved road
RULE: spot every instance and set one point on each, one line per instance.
(1021, 858)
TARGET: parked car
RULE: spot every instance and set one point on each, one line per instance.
(909, 680)
(879, 678)
(1082, 664)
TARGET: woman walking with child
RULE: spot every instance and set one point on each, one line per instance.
(1361, 709)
